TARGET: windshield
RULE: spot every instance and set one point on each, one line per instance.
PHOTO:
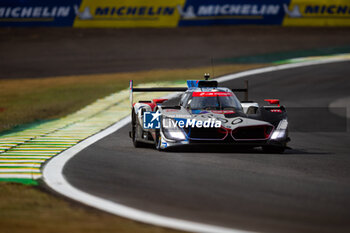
(213, 101)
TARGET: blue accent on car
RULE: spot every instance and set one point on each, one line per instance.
(192, 83)
(151, 120)
(199, 111)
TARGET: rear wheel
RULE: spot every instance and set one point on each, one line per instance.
(136, 131)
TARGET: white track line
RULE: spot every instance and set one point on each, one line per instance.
(7, 170)
(279, 67)
(24, 157)
(24, 176)
(21, 161)
(53, 171)
(19, 165)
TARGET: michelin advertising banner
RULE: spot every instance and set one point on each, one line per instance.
(28, 13)
(208, 12)
(317, 13)
(173, 13)
(128, 13)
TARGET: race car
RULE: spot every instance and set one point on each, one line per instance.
(206, 114)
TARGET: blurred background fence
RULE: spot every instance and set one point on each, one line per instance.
(173, 13)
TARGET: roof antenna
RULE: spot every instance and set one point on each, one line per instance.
(206, 76)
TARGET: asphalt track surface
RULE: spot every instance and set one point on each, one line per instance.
(48, 52)
(307, 189)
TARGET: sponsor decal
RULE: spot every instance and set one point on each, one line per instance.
(164, 145)
(210, 94)
(166, 13)
(171, 110)
(151, 120)
(37, 13)
(223, 111)
(317, 13)
(130, 13)
(190, 83)
(186, 123)
(231, 12)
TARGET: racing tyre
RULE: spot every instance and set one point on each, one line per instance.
(136, 130)
(136, 143)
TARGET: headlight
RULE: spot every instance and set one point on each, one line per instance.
(171, 130)
(280, 132)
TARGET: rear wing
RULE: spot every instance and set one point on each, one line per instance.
(245, 90)
(152, 89)
(190, 83)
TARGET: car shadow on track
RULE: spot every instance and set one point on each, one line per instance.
(232, 150)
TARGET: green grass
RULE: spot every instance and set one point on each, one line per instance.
(28, 209)
(19, 180)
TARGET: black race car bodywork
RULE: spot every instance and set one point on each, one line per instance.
(211, 115)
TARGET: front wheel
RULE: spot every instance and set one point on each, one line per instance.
(136, 143)
(136, 131)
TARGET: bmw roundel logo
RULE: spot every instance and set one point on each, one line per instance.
(237, 121)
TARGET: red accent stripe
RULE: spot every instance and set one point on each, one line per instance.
(152, 105)
(210, 94)
(273, 101)
(222, 111)
(159, 101)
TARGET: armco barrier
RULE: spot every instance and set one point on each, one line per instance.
(173, 13)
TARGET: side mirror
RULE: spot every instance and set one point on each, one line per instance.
(252, 110)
